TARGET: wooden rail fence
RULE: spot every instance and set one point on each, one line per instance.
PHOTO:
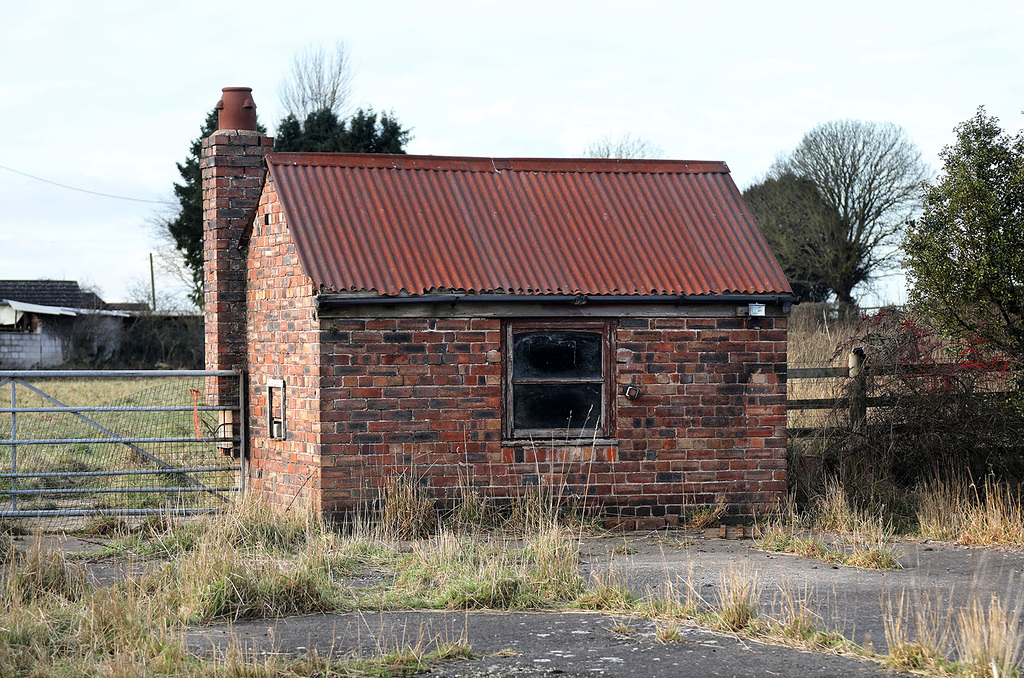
(856, 391)
(854, 394)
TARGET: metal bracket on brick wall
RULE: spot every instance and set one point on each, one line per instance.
(277, 426)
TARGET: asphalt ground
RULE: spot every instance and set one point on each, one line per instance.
(527, 644)
(850, 600)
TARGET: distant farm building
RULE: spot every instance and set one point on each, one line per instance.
(44, 323)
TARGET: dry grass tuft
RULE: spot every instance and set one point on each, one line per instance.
(42, 571)
(250, 525)
(943, 509)
(670, 601)
(536, 508)
(455, 571)
(990, 638)
(7, 548)
(831, 510)
(30, 636)
(862, 540)
(874, 557)
(706, 516)
(924, 651)
(220, 583)
(956, 510)
(105, 526)
(254, 525)
(796, 620)
(555, 556)
(406, 509)
(608, 589)
(738, 597)
(622, 629)
(668, 632)
(472, 509)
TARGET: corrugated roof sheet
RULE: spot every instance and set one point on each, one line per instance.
(396, 224)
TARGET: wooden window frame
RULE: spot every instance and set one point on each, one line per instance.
(603, 327)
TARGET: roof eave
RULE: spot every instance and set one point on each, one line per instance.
(328, 300)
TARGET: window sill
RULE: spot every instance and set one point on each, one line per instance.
(560, 442)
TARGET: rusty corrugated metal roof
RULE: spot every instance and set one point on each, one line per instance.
(404, 224)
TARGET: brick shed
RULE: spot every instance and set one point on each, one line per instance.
(614, 328)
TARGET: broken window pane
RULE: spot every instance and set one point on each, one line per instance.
(556, 355)
(557, 406)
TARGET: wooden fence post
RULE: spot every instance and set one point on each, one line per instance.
(858, 389)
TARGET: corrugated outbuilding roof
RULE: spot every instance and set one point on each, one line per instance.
(404, 224)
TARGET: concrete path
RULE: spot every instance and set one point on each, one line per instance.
(528, 644)
(850, 600)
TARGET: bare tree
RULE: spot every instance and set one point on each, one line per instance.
(871, 175)
(173, 285)
(318, 79)
(178, 286)
(624, 146)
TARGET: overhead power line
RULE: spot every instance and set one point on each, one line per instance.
(85, 190)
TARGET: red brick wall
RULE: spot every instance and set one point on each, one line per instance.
(409, 395)
(283, 343)
(232, 169)
(423, 396)
(711, 424)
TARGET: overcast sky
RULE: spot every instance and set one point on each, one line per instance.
(107, 96)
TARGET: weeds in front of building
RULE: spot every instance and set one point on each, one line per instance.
(257, 562)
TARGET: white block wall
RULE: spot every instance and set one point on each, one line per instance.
(29, 350)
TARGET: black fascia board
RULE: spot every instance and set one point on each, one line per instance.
(325, 301)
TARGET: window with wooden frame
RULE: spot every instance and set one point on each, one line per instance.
(558, 379)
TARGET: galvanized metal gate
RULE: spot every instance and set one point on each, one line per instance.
(117, 442)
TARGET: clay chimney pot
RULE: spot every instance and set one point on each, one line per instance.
(236, 109)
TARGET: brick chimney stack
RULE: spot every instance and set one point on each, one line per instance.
(233, 170)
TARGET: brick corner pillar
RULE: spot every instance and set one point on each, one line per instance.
(233, 171)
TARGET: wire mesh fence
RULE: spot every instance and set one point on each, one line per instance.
(79, 444)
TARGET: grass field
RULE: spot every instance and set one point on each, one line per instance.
(82, 391)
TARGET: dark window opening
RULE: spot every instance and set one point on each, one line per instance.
(558, 355)
(276, 408)
(555, 406)
(557, 379)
